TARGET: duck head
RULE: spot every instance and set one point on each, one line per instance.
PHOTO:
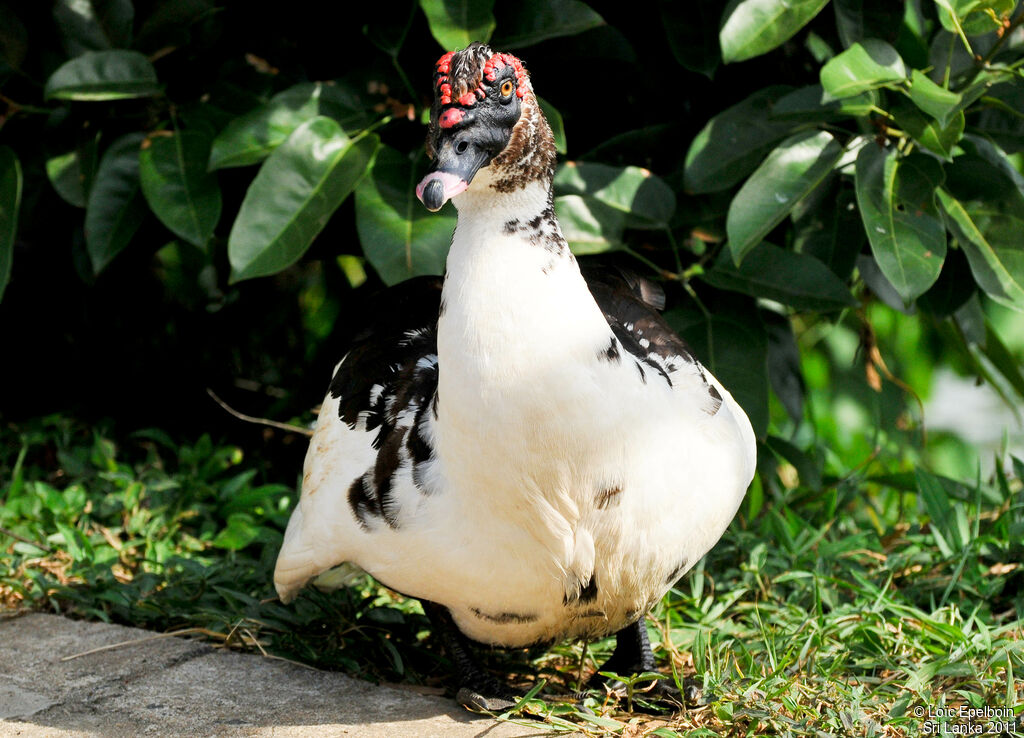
(484, 115)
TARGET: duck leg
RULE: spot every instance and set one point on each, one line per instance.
(478, 690)
(632, 655)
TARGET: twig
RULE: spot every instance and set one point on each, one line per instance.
(259, 421)
(289, 661)
(184, 631)
(15, 536)
(136, 641)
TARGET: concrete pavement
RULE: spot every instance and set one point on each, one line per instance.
(181, 687)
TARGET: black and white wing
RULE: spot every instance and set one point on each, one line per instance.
(630, 304)
(372, 442)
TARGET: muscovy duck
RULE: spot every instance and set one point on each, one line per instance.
(527, 448)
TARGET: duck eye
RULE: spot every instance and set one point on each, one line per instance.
(506, 88)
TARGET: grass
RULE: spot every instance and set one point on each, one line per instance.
(833, 605)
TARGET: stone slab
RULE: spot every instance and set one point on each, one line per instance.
(181, 687)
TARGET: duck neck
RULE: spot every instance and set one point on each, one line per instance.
(517, 319)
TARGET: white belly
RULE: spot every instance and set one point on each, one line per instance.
(526, 541)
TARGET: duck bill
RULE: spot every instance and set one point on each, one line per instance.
(451, 174)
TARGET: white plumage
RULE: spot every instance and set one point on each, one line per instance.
(557, 485)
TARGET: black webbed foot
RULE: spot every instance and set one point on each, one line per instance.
(478, 690)
(489, 696)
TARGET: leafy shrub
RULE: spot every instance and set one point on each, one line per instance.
(874, 151)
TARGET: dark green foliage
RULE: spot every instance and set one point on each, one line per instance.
(912, 106)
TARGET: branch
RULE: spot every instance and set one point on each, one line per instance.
(259, 421)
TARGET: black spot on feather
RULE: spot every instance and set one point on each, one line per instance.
(608, 496)
(716, 400)
(542, 230)
(504, 617)
(643, 374)
(612, 352)
(419, 449)
(388, 461)
(677, 572)
(362, 504)
(587, 593)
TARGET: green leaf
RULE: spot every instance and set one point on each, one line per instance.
(71, 173)
(94, 25)
(389, 29)
(103, 75)
(990, 236)
(951, 290)
(896, 199)
(832, 232)
(975, 17)
(849, 21)
(78, 546)
(804, 104)
(10, 203)
(869, 271)
(293, 196)
(251, 138)
(181, 19)
(927, 131)
(352, 267)
(1004, 181)
(589, 225)
(116, 207)
(555, 121)
(733, 143)
(400, 238)
(692, 29)
(529, 22)
(857, 19)
(792, 169)
(948, 536)
(734, 347)
(644, 198)
(455, 24)
(808, 466)
(937, 101)
(181, 192)
(793, 279)
(785, 373)
(867, 65)
(753, 27)
(1002, 358)
(239, 533)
